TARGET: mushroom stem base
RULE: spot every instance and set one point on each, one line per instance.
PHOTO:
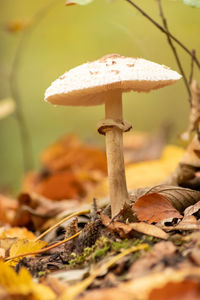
(116, 171)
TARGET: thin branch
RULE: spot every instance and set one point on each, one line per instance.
(164, 20)
(192, 67)
(24, 135)
(197, 62)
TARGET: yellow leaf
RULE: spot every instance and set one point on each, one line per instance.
(24, 246)
(7, 107)
(148, 173)
(23, 284)
(19, 232)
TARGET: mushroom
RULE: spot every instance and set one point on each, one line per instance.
(102, 82)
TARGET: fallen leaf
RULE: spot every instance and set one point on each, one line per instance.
(22, 284)
(179, 197)
(70, 276)
(70, 169)
(62, 185)
(36, 210)
(73, 291)
(5, 244)
(185, 290)
(192, 210)
(140, 289)
(107, 293)
(153, 207)
(149, 261)
(8, 208)
(18, 232)
(70, 153)
(24, 246)
(125, 229)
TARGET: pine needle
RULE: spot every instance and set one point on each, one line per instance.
(60, 222)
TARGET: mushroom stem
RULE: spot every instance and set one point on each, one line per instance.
(114, 151)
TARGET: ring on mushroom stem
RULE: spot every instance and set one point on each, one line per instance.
(104, 81)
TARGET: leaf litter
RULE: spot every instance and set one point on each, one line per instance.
(152, 246)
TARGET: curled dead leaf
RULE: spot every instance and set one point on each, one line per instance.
(125, 229)
(179, 197)
(154, 207)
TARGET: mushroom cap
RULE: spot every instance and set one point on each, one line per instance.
(87, 84)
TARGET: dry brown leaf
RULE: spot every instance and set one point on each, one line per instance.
(140, 289)
(148, 263)
(125, 229)
(70, 170)
(192, 210)
(185, 290)
(154, 207)
(107, 294)
(179, 197)
(35, 209)
(62, 185)
(8, 207)
(70, 153)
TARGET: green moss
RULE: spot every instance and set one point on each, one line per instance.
(103, 245)
(79, 259)
(100, 252)
(118, 245)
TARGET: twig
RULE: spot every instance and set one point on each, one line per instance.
(44, 249)
(197, 62)
(24, 135)
(164, 21)
(60, 222)
(192, 67)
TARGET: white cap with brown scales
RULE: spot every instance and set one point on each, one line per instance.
(104, 81)
(87, 84)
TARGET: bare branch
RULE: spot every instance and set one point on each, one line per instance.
(174, 49)
(197, 62)
(192, 67)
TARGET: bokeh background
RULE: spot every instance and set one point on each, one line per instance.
(68, 36)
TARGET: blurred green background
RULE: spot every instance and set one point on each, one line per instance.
(69, 36)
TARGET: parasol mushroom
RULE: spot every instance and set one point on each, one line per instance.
(103, 82)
